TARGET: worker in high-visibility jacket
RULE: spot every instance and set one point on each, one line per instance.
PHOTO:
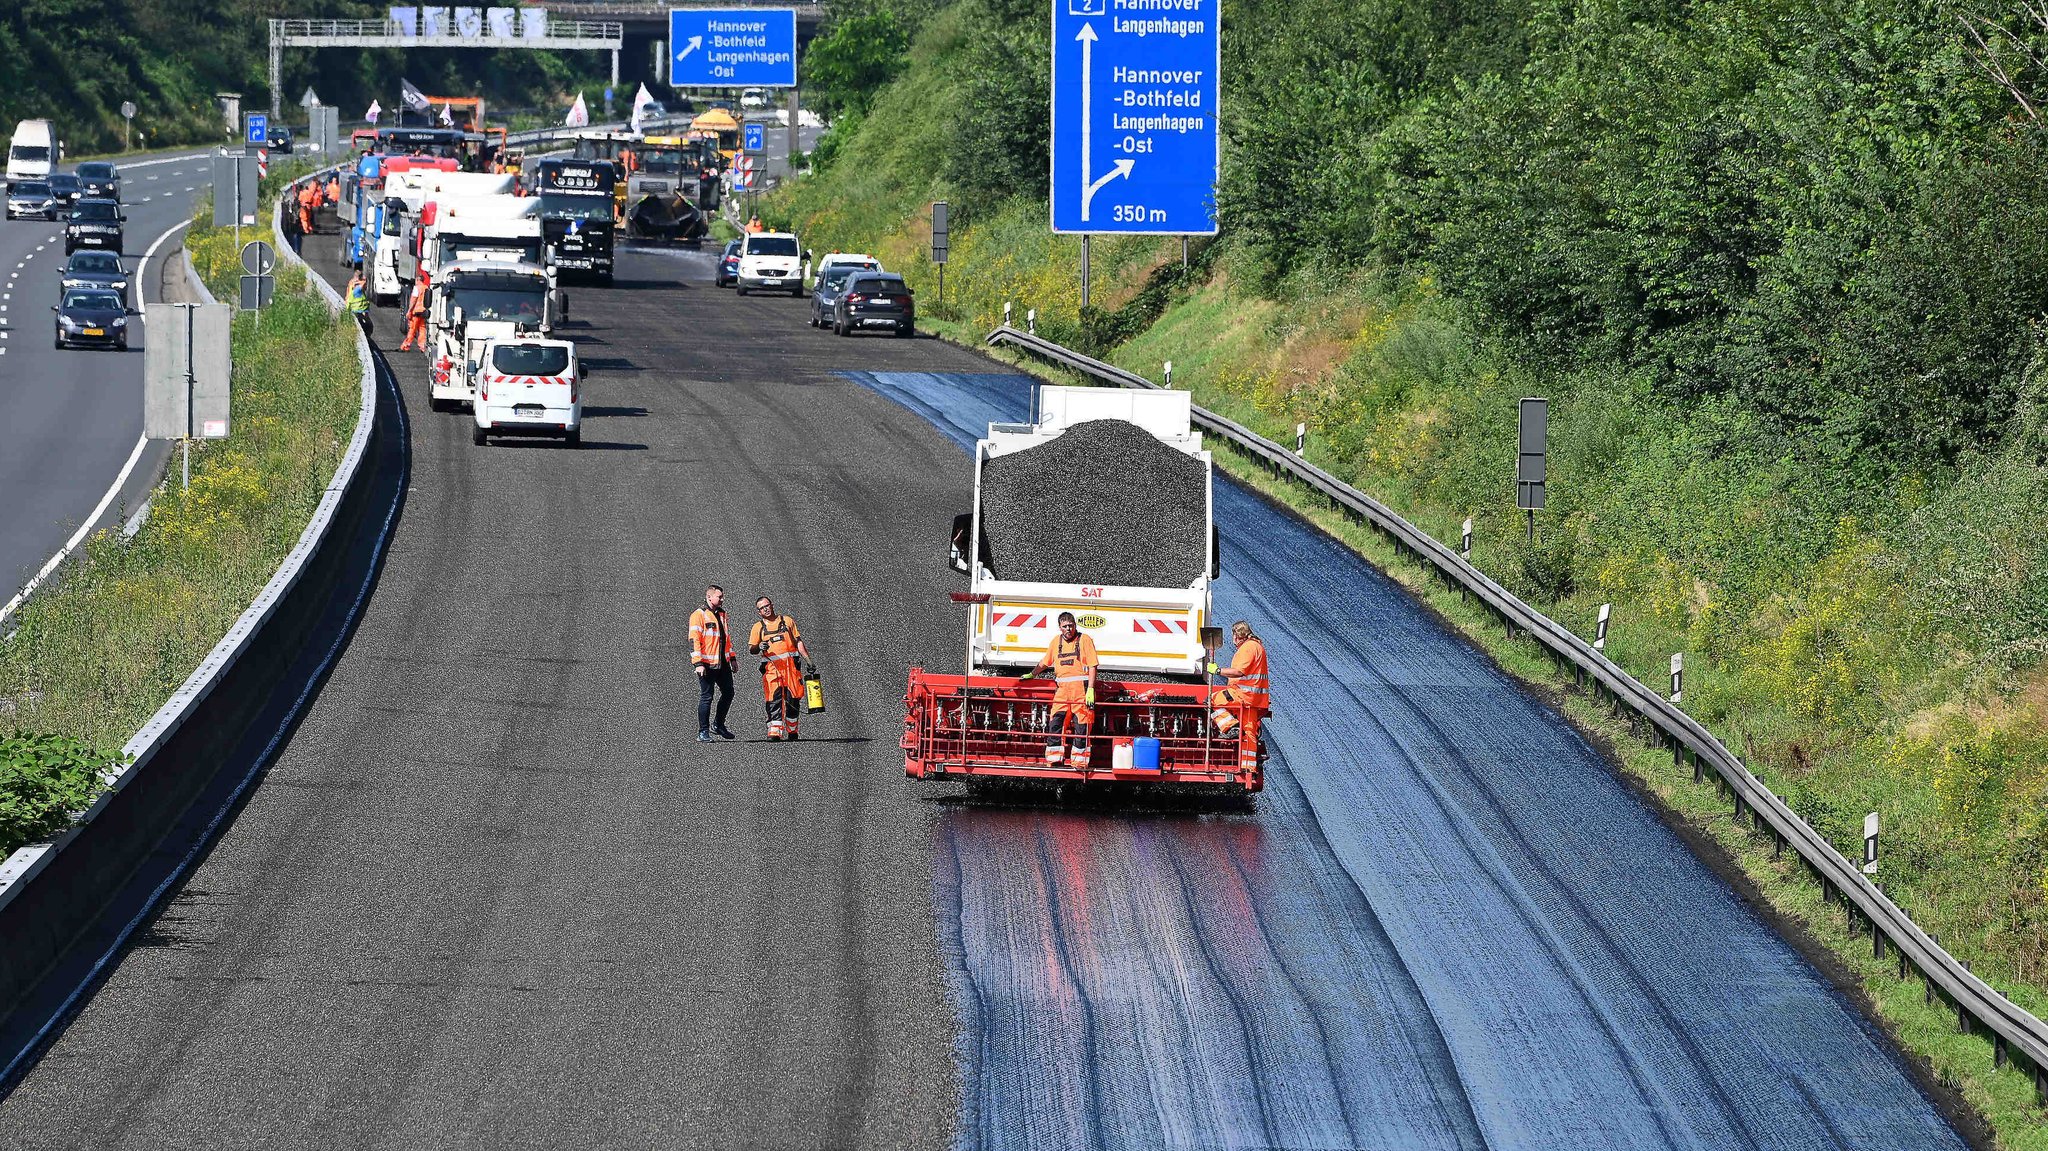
(416, 314)
(780, 645)
(1072, 661)
(1247, 679)
(711, 654)
(306, 206)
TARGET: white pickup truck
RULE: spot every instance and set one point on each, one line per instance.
(528, 386)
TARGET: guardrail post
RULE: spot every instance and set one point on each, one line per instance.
(1169, 373)
(1031, 320)
(1006, 313)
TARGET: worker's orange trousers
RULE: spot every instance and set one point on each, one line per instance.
(415, 329)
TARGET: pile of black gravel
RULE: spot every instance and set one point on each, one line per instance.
(1105, 503)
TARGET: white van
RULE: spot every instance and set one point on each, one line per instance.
(32, 154)
(528, 386)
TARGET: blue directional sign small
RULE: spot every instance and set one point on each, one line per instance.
(1134, 101)
(256, 127)
(757, 137)
(732, 47)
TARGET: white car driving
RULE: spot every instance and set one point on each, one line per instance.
(771, 261)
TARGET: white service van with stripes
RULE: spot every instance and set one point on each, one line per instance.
(528, 386)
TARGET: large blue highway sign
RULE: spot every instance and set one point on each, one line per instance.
(1134, 98)
(732, 47)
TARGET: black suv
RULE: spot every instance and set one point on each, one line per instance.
(875, 300)
(102, 180)
(93, 224)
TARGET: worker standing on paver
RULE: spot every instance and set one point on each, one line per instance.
(1073, 662)
(1246, 678)
(712, 655)
(416, 315)
(780, 645)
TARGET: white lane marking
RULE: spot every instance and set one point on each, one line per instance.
(186, 159)
(84, 529)
(151, 176)
(188, 188)
(120, 481)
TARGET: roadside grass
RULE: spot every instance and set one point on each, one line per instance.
(93, 656)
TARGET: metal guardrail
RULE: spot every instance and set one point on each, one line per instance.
(2014, 1031)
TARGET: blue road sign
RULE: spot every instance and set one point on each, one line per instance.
(732, 47)
(1134, 100)
(757, 137)
(256, 128)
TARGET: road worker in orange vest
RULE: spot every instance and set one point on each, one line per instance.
(1073, 663)
(334, 189)
(416, 314)
(308, 201)
(711, 654)
(780, 645)
(1246, 677)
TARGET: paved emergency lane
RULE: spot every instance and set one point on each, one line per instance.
(492, 894)
(1448, 925)
(74, 418)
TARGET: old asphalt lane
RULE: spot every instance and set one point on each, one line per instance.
(492, 894)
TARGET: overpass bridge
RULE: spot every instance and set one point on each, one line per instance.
(563, 26)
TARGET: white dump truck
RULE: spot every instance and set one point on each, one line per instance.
(1102, 505)
(473, 303)
(456, 229)
(406, 195)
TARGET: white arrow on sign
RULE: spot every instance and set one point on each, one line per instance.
(1087, 38)
(695, 43)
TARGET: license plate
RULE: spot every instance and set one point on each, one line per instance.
(771, 279)
(531, 411)
(95, 331)
(881, 323)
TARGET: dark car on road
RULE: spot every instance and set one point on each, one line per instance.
(96, 269)
(31, 198)
(872, 301)
(93, 224)
(728, 272)
(281, 140)
(102, 180)
(92, 317)
(825, 293)
(66, 188)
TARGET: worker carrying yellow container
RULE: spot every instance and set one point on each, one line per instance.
(780, 645)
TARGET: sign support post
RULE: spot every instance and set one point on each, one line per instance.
(1134, 135)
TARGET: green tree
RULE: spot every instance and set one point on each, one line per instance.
(850, 63)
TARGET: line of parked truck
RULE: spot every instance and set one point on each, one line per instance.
(474, 251)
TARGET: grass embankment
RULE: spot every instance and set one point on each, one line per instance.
(93, 656)
(1867, 642)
